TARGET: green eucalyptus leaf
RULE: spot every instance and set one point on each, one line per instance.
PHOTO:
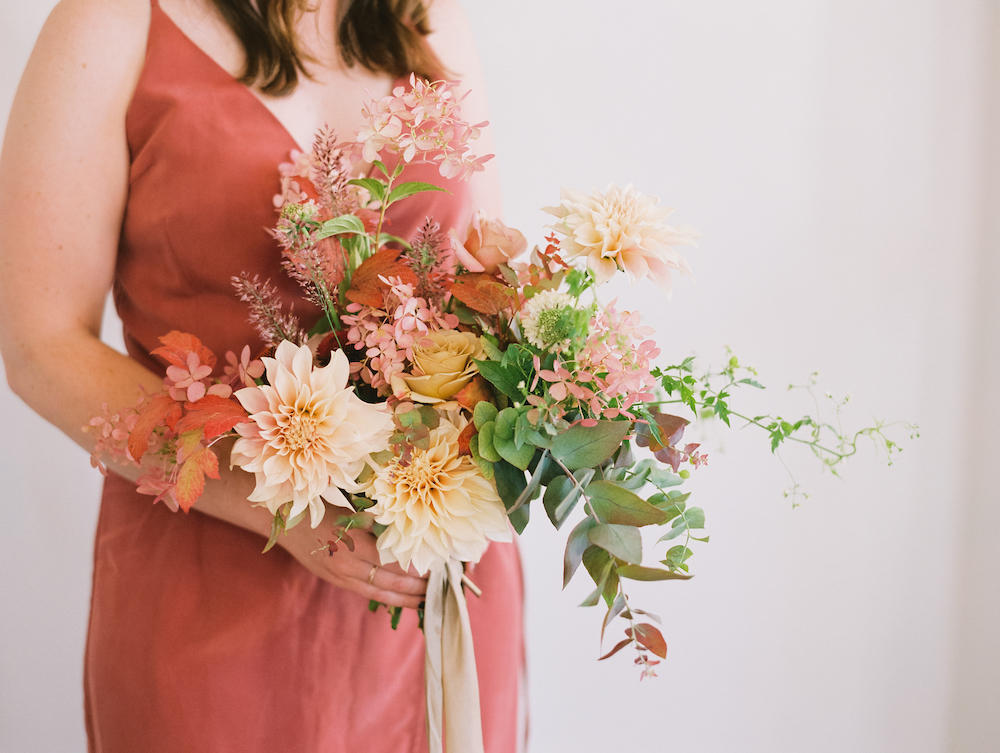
(487, 447)
(624, 542)
(663, 479)
(576, 544)
(519, 458)
(485, 466)
(483, 413)
(506, 421)
(588, 446)
(638, 572)
(519, 518)
(530, 490)
(614, 504)
(510, 482)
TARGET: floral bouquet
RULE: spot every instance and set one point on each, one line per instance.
(451, 380)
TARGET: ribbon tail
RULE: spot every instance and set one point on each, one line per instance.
(433, 669)
(463, 722)
(452, 683)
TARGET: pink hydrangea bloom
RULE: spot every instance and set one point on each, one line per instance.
(422, 123)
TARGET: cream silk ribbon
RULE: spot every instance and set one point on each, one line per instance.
(450, 665)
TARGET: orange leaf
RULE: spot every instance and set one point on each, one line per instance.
(463, 439)
(177, 346)
(474, 392)
(216, 415)
(366, 287)
(307, 187)
(482, 292)
(191, 479)
(650, 637)
(158, 410)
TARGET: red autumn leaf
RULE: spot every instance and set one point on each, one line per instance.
(482, 292)
(649, 637)
(474, 392)
(307, 187)
(671, 431)
(177, 346)
(161, 409)
(370, 219)
(618, 647)
(366, 287)
(191, 479)
(463, 439)
(215, 415)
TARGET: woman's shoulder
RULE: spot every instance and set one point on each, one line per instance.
(107, 34)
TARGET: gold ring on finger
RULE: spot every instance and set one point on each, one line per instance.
(371, 575)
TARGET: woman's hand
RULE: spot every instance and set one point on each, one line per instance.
(358, 570)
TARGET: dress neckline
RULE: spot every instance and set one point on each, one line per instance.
(214, 64)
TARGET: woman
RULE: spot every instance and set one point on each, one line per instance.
(141, 154)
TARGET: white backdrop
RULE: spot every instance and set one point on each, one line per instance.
(840, 160)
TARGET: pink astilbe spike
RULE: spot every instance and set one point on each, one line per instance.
(266, 312)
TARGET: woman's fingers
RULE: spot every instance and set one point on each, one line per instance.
(356, 566)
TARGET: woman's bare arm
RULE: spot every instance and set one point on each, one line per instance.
(63, 186)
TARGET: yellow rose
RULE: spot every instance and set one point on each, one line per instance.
(444, 364)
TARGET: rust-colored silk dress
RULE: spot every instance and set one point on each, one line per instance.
(197, 641)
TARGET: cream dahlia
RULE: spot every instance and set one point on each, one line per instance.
(436, 507)
(309, 435)
(621, 229)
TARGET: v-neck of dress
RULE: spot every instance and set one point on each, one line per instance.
(222, 72)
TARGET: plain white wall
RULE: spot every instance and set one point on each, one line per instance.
(831, 155)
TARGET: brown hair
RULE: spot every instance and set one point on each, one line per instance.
(384, 36)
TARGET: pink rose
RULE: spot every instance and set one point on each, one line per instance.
(488, 244)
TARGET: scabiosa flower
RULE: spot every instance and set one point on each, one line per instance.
(545, 323)
(621, 229)
(309, 435)
(437, 506)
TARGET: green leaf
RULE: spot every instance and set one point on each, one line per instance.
(278, 525)
(613, 611)
(487, 447)
(613, 504)
(638, 572)
(677, 556)
(346, 223)
(510, 482)
(587, 447)
(408, 189)
(373, 185)
(491, 346)
(520, 458)
(381, 166)
(484, 412)
(664, 479)
(536, 477)
(624, 542)
(563, 493)
(694, 517)
(485, 466)
(506, 421)
(503, 378)
(593, 598)
(519, 518)
(597, 562)
(576, 544)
